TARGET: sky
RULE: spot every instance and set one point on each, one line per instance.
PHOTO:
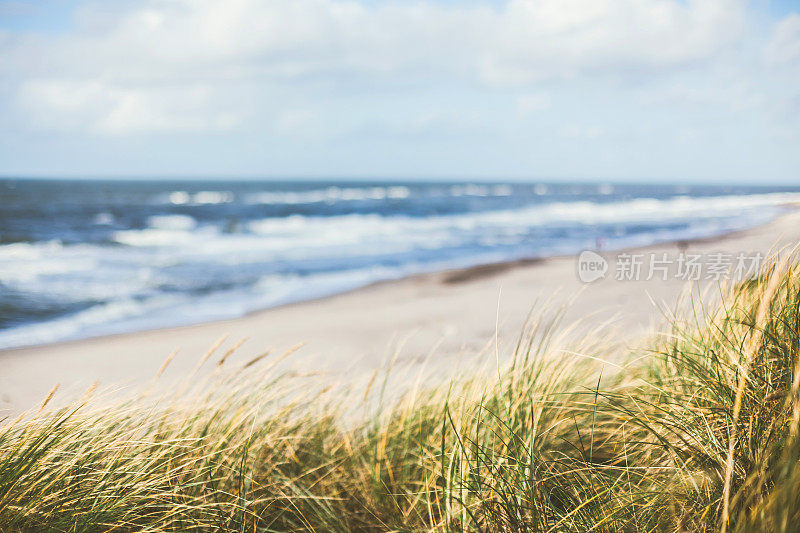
(626, 90)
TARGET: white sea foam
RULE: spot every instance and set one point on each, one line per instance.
(130, 279)
(153, 237)
(104, 219)
(20, 262)
(172, 222)
(198, 198)
(97, 320)
(328, 195)
(350, 228)
(480, 190)
(298, 236)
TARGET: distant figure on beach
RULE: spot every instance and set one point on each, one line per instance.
(600, 242)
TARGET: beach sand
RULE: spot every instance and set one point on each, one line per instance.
(446, 318)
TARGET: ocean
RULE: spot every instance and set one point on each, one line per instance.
(81, 258)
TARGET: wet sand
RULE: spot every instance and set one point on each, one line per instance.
(438, 316)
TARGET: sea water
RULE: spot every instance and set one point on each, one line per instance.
(80, 258)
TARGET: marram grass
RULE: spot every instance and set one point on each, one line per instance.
(698, 432)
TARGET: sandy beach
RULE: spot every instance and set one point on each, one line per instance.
(348, 336)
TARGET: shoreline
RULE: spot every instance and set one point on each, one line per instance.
(453, 276)
(352, 333)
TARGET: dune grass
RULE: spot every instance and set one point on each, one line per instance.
(698, 431)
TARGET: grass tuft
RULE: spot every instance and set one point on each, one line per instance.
(699, 431)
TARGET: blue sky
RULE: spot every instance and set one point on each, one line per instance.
(650, 90)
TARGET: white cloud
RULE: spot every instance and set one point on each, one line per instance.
(543, 39)
(532, 102)
(782, 57)
(100, 108)
(293, 121)
(135, 68)
(784, 46)
(581, 132)
(732, 95)
(351, 87)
